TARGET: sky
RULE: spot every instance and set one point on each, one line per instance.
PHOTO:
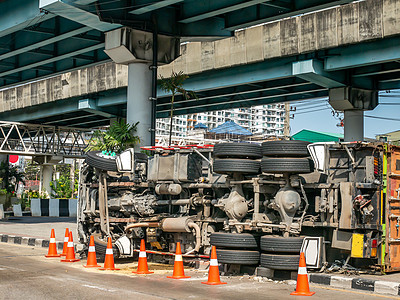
(316, 115)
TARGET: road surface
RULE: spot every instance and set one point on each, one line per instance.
(26, 274)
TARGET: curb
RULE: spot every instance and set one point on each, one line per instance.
(28, 241)
(364, 284)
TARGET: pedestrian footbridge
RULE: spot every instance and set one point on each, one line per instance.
(43, 142)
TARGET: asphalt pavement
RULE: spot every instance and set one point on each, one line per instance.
(26, 274)
(40, 227)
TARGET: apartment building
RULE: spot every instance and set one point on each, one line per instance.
(263, 120)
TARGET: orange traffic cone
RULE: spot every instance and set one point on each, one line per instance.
(142, 265)
(213, 271)
(179, 272)
(91, 258)
(52, 246)
(70, 250)
(65, 246)
(109, 260)
(302, 288)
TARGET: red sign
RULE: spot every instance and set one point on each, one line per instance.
(13, 158)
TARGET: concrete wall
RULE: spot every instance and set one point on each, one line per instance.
(347, 24)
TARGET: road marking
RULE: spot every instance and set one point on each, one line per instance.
(355, 292)
(98, 288)
(2, 267)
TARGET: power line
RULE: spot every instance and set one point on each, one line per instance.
(310, 107)
(382, 118)
(310, 111)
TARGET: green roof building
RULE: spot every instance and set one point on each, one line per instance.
(316, 136)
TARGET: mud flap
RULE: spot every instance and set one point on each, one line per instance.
(314, 251)
(124, 246)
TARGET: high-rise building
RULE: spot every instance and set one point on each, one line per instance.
(263, 120)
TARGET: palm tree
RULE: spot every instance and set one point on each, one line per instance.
(174, 85)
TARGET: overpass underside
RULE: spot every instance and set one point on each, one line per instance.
(355, 45)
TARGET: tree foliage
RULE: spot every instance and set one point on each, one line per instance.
(118, 137)
(174, 85)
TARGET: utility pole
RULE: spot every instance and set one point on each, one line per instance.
(286, 126)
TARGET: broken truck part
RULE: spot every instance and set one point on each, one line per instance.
(256, 203)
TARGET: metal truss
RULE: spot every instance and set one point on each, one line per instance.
(38, 140)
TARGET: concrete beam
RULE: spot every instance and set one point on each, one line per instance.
(45, 42)
(90, 105)
(224, 10)
(154, 6)
(287, 15)
(65, 10)
(381, 51)
(313, 71)
(54, 59)
(237, 75)
(17, 15)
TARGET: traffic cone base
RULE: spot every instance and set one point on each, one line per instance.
(65, 246)
(302, 293)
(302, 287)
(91, 258)
(53, 255)
(214, 283)
(70, 260)
(142, 262)
(52, 246)
(70, 251)
(109, 260)
(179, 271)
(142, 272)
(213, 271)
(108, 269)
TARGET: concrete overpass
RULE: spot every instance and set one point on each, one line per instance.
(354, 45)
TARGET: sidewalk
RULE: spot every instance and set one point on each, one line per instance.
(38, 227)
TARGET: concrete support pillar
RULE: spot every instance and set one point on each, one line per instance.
(46, 176)
(138, 102)
(353, 125)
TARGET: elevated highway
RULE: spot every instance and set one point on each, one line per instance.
(353, 45)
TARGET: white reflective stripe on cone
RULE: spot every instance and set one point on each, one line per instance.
(70, 244)
(66, 239)
(52, 240)
(213, 262)
(92, 249)
(302, 271)
(142, 254)
(178, 257)
(109, 251)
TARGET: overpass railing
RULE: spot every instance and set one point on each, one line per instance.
(36, 140)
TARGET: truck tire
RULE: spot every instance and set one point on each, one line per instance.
(285, 148)
(101, 247)
(234, 240)
(287, 165)
(280, 262)
(141, 158)
(238, 257)
(97, 160)
(244, 166)
(237, 150)
(281, 244)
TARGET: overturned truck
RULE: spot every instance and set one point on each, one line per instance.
(259, 204)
